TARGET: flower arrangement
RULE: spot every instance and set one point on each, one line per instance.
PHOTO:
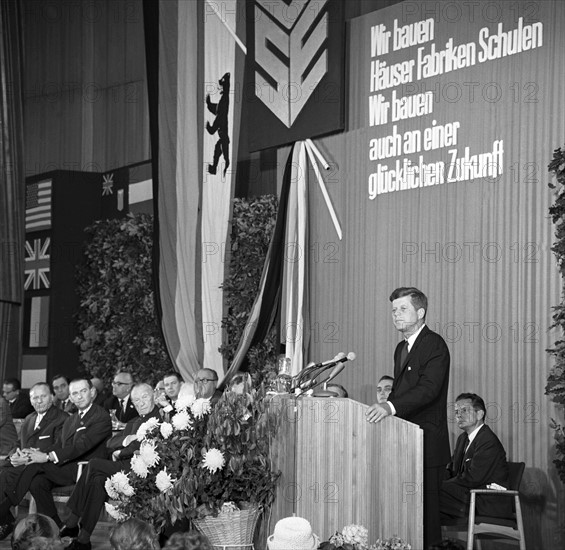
(356, 537)
(394, 543)
(202, 458)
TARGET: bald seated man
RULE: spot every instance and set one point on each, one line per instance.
(89, 495)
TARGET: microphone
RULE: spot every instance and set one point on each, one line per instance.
(312, 369)
(338, 366)
(336, 370)
(349, 357)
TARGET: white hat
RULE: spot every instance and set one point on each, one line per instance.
(293, 533)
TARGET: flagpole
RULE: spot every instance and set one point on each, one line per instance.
(228, 28)
(313, 153)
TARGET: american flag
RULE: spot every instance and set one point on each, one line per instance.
(38, 206)
(37, 260)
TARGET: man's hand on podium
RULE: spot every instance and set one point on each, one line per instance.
(378, 411)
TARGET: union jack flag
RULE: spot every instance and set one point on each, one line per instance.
(37, 263)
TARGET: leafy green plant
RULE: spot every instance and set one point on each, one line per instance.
(117, 322)
(252, 226)
(556, 379)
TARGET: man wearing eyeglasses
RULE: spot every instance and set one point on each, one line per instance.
(20, 405)
(205, 383)
(120, 400)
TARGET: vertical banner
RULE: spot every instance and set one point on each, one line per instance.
(222, 85)
(172, 56)
(191, 51)
(294, 295)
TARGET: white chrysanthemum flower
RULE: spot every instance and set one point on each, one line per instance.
(166, 430)
(213, 460)
(181, 421)
(200, 407)
(356, 535)
(139, 467)
(119, 482)
(148, 453)
(114, 512)
(146, 428)
(163, 480)
(184, 401)
(109, 486)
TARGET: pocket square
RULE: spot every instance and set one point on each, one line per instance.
(43, 436)
(81, 428)
(409, 368)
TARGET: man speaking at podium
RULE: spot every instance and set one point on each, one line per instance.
(421, 378)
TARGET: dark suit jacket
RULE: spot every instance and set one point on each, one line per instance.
(83, 439)
(117, 442)
(8, 434)
(47, 432)
(21, 407)
(483, 463)
(68, 406)
(121, 415)
(43, 438)
(420, 393)
(101, 398)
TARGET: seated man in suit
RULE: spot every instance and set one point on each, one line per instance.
(20, 406)
(205, 384)
(120, 400)
(87, 500)
(39, 430)
(478, 461)
(82, 437)
(60, 385)
(101, 394)
(384, 388)
(172, 383)
(8, 434)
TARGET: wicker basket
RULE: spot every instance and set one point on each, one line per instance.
(230, 530)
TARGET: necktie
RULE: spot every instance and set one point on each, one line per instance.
(403, 353)
(37, 422)
(463, 450)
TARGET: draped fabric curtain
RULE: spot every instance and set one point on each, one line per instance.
(195, 65)
(12, 189)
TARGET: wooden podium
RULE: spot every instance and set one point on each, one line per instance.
(339, 469)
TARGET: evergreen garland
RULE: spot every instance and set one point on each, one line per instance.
(117, 322)
(556, 380)
(252, 226)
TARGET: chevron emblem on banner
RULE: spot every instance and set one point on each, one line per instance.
(291, 54)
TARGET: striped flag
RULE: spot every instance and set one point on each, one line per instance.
(195, 64)
(37, 263)
(39, 322)
(38, 206)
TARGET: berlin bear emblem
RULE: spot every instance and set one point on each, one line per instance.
(220, 125)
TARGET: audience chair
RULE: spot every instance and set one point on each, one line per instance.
(510, 527)
(60, 494)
